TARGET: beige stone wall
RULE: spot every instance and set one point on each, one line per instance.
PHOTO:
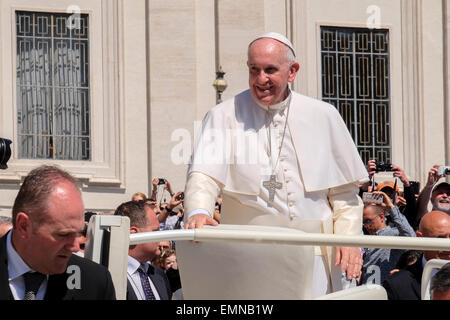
(181, 74)
(154, 65)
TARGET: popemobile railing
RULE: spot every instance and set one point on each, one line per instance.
(111, 234)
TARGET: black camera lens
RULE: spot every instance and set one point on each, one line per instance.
(161, 181)
(415, 187)
(5, 152)
(381, 166)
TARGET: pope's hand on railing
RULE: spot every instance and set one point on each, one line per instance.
(350, 260)
(199, 221)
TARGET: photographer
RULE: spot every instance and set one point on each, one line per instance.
(169, 218)
(407, 203)
(157, 182)
(374, 223)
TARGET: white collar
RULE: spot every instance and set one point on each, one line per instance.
(134, 265)
(424, 261)
(16, 266)
(279, 106)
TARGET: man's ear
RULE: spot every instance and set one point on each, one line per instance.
(23, 224)
(134, 229)
(293, 71)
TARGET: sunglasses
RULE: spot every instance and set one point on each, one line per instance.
(369, 221)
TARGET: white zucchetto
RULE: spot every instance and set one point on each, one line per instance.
(278, 37)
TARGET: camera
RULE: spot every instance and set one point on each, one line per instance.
(415, 187)
(162, 181)
(5, 152)
(369, 197)
(444, 170)
(381, 166)
(181, 196)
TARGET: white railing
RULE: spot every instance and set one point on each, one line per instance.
(314, 239)
(120, 239)
(426, 276)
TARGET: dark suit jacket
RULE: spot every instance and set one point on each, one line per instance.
(159, 279)
(406, 283)
(95, 280)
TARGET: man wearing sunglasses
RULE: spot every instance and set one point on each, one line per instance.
(378, 262)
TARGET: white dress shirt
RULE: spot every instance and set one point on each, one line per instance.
(16, 269)
(135, 279)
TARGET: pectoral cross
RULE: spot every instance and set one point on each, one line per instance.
(271, 185)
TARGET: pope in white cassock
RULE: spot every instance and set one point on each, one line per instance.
(282, 159)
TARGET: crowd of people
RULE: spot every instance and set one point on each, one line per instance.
(403, 213)
(170, 216)
(402, 210)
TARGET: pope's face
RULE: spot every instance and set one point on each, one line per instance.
(269, 71)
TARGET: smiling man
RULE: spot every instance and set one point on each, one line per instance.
(279, 158)
(440, 197)
(37, 260)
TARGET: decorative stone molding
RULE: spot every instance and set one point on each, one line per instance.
(106, 169)
(412, 94)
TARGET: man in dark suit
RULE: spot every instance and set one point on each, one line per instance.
(36, 256)
(145, 282)
(406, 284)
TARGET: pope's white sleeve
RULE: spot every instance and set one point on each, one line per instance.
(201, 193)
(347, 209)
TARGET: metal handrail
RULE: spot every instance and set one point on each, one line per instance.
(293, 238)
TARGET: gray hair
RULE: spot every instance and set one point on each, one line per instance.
(441, 280)
(5, 220)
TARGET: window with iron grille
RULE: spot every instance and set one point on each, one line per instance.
(52, 68)
(355, 79)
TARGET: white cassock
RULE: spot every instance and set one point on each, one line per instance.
(318, 165)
